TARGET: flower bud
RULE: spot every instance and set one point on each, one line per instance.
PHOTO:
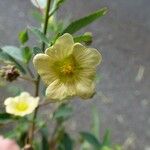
(10, 73)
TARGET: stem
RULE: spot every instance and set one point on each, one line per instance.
(46, 21)
(30, 72)
(31, 132)
(27, 79)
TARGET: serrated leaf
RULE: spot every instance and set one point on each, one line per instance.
(40, 35)
(91, 139)
(63, 112)
(6, 57)
(78, 24)
(23, 36)
(27, 54)
(37, 50)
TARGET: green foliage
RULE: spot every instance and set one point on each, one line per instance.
(5, 56)
(19, 133)
(63, 112)
(14, 52)
(78, 24)
(95, 123)
(23, 36)
(5, 117)
(86, 38)
(37, 50)
(21, 57)
(40, 35)
(91, 139)
(106, 139)
(55, 7)
(14, 90)
(37, 15)
(26, 54)
(44, 136)
(66, 142)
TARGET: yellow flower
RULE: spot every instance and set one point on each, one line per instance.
(21, 105)
(68, 69)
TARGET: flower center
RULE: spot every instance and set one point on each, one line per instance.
(21, 106)
(67, 69)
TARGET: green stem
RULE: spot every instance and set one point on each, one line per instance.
(31, 132)
(46, 21)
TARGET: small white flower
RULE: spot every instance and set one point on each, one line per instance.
(21, 105)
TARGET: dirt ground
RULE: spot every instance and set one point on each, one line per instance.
(122, 36)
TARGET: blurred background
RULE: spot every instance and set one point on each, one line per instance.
(122, 36)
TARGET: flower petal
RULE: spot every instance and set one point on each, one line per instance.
(85, 88)
(87, 57)
(42, 63)
(62, 47)
(8, 101)
(59, 91)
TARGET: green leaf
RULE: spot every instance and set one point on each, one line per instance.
(6, 57)
(66, 143)
(91, 139)
(37, 15)
(87, 38)
(14, 52)
(14, 90)
(63, 112)
(106, 148)
(55, 7)
(106, 139)
(45, 141)
(5, 117)
(95, 122)
(39, 35)
(78, 24)
(27, 54)
(23, 36)
(37, 50)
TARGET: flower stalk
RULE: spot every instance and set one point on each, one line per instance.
(37, 83)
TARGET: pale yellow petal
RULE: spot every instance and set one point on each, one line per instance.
(8, 101)
(10, 109)
(59, 91)
(86, 57)
(42, 63)
(85, 88)
(24, 94)
(33, 102)
(62, 47)
(21, 105)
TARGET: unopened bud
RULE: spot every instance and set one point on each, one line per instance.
(10, 73)
(88, 39)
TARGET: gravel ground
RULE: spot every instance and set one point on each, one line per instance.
(122, 36)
